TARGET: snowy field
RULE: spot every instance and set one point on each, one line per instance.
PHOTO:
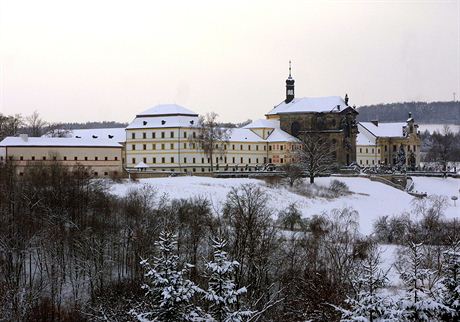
(371, 199)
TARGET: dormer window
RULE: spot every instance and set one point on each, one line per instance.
(192, 121)
(163, 122)
(144, 122)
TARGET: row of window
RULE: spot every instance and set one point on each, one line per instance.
(115, 173)
(367, 150)
(162, 135)
(55, 158)
(172, 146)
(233, 169)
(194, 160)
(367, 162)
(395, 148)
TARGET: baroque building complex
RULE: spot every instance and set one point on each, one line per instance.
(162, 139)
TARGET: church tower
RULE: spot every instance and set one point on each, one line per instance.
(289, 86)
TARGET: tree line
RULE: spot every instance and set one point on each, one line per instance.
(34, 125)
(422, 112)
(70, 250)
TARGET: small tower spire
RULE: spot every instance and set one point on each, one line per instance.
(289, 86)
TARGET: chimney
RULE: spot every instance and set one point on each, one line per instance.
(375, 122)
(24, 137)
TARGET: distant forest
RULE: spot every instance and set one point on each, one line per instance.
(427, 113)
(92, 125)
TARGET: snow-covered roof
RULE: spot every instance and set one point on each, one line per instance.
(167, 109)
(164, 116)
(310, 104)
(147, 122)
(279, 135)
(263, 124)
(116, 134)
(141, 165)
(57, 142)
(364, 138)
(384, 129)
(246, 135)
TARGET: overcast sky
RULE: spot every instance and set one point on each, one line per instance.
(108, 60)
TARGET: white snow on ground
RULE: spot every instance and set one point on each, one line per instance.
(371, 199)
(388, 257)
(441, 186)
(215, 189)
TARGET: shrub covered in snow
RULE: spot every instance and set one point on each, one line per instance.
(339, 188)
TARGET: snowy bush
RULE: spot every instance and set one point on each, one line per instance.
(339, 188)
(291, 218)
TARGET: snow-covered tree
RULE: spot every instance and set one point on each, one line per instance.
(422, 300)
(451, 280)
(222, 294)
(369, 305)
(168, 292)
(401, 158)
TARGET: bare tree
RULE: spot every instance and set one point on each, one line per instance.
(293, 172)
(314, 156)
(57, 130)
(211, 138)
(10, 125)
(35, 124)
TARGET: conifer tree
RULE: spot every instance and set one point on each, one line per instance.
(168, 292)
(421, 302)
(222, 294)
(369, 305)
(451, 280)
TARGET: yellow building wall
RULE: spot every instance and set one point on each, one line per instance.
(169, 149)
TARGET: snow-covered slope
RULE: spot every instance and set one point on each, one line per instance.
(441, 186)
(371, 199)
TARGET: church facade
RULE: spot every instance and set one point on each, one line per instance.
(328, 117)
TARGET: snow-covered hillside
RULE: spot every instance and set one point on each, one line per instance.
(371, 199)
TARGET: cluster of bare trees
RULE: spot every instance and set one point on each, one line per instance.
(443, 147)
(33, 125)
(70, 250)
(424, 223)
